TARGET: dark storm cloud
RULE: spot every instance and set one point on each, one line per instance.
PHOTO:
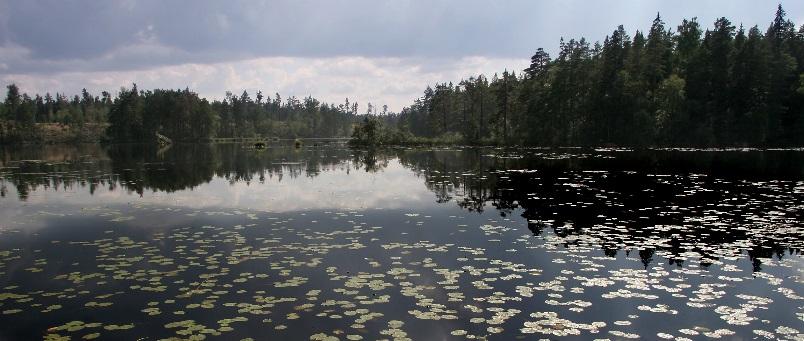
(58, 30)
(46, 36)
(68, 29)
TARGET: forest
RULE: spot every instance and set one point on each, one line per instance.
(727, 85)
(136, 115)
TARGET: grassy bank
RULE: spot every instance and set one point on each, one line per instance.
(51, 133)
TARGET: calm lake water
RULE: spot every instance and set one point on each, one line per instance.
(326, 243)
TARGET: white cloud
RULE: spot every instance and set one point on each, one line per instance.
(393, 81)
(335, 188)
(10, 53)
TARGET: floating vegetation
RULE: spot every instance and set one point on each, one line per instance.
(513, 251)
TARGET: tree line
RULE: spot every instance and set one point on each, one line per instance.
(724, 86)
(135, 115)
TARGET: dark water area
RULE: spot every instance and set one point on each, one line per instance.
(327, 243)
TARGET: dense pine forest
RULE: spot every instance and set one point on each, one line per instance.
(727, 85)
(137, 115)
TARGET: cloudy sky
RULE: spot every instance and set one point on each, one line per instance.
(379, 51)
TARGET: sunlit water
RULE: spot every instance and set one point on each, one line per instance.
(327, 243)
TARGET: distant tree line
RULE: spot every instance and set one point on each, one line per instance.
(26, 110)
(137, 115)
(22, 116)
(725, 86)
(242, 116)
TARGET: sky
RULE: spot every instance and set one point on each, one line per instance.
(378, 51)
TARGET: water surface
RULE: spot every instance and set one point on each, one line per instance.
(325, 243)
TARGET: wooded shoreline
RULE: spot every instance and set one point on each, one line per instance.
(690, 87)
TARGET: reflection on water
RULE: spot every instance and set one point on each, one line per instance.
(224, 241)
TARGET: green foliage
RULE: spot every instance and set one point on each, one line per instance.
(721, 87)
(177, 114)
(801, 84)
(669, 102)
(374, 132)
(242, 116)
(137, 115)
(368, 133)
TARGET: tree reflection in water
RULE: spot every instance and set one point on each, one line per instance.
(676, 201)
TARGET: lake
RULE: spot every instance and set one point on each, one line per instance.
(327, 243)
